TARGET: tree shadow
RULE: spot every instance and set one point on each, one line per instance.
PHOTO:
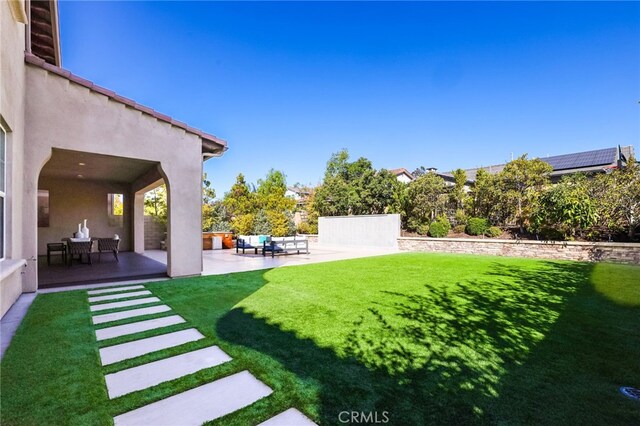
(441, 356)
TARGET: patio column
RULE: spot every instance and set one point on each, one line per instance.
(184, 227)
(138, 221)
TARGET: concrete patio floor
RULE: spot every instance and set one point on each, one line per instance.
(217, 262)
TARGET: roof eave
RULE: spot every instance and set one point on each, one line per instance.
(55, 27)
(211, 145)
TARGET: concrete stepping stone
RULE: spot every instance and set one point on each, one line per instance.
(124, 304)
(290, 417)
(101, 319)
(119, 296)
(201, 404)
(137, 327)
(116, 289)
(117, 353)
(154, 373)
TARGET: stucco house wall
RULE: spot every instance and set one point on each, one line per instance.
(12, 107)
(69, 113)
(66, 115)
(71, 201)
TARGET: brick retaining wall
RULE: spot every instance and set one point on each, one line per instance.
(580, 251)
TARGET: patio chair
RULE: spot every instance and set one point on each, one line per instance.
(56, 248)
(108, 244)
(79, 248)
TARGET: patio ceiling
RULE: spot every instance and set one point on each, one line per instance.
(78, 165)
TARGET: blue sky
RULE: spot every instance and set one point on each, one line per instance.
(447, 85)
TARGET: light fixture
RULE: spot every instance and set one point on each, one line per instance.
(81, 164)
(80, 176)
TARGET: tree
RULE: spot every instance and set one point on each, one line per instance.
(355, 188)
(521, 182)
(458, 194)
(243, 224)
(214, 214)
(261, 225)
(567, 207)
(377, 191)
(425, 200)
(310, 224)
(334, 197)
(239, 200)
(619, 196)
(155, 204)
(240, 205)
(270, 193)
(118, 205)
(419, 171)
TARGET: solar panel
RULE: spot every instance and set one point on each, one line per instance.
(582, 159)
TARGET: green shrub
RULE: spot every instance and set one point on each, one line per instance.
(459, 229)
(493, 232)
(440, 228)
(477, 226)
(550, 234)
(423, 229)
(307, 228)
(460, 218)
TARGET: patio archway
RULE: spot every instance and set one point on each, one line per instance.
(76, 185)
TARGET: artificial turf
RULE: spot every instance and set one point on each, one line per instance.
(426, 338)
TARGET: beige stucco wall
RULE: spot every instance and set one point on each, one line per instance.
(12, 107)
(71, 201)
(11, 288)
(65, 115)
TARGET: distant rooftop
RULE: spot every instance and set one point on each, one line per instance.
(586, 161)
(401, 171)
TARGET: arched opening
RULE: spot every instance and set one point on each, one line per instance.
(75, 186)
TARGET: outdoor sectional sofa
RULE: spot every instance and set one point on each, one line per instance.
(272, 245)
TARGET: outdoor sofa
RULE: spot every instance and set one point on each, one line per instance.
(254, 242)
(272, 245)
(285, 245)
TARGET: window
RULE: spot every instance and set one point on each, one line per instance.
(3, 194)
(115, 209)
(116, 204)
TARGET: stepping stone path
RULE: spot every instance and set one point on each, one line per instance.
(105, 306)
(192, 407)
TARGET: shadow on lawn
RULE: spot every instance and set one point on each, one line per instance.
(435, 357)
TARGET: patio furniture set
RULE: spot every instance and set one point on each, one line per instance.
(71, 247)
(274, 245)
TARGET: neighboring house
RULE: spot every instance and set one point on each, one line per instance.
(403, 175)
(72, 150)
(300, 195)
(588, 162)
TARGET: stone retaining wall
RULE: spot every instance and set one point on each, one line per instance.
(579, 251)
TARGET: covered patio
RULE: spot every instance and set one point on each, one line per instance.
(76, 186)
(92, 154)
(132, 266)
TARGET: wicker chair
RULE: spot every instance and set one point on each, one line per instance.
(108, 244)
(79, 248)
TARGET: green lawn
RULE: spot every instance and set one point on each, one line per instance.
(428, 338)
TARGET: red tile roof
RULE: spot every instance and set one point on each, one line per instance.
(400, 171)
(206, 137)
